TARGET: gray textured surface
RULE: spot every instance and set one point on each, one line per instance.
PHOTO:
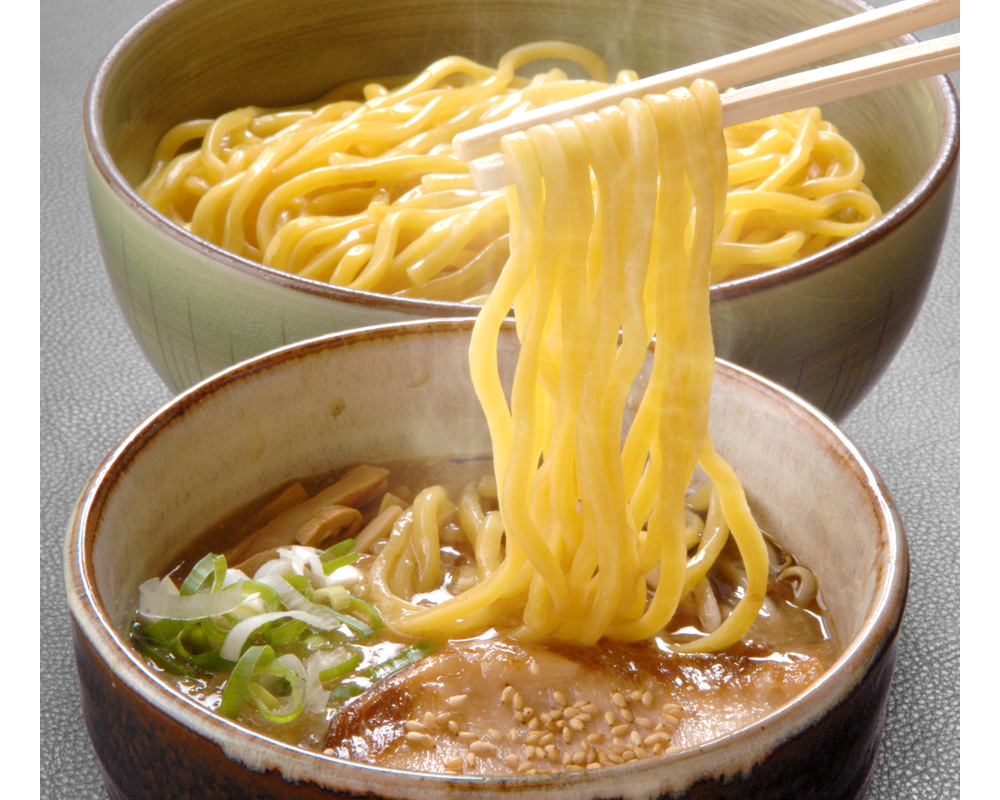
(96, 386)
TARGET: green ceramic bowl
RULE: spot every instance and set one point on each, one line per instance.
(826, 326)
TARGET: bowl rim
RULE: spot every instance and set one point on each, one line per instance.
(942, 92)
(876, 636)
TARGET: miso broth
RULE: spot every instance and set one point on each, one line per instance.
(492, 703)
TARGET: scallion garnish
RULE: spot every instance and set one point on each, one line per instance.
(281, 638)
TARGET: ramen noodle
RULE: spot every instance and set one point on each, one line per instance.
(362, 189)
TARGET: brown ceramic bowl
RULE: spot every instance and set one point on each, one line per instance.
(825, 326)
(404, 391)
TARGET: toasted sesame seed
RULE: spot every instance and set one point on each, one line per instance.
(647, 699)
(518, 701)
(616, 748)
(595, 738)
(481, 748)
(657, 749)
(430, 720)
(467, 736)
(619, 700)
(635, 737)
(614, 758)
(534, 668)
(574, 768)
(534, 724)
(328, 751)
(413, 725)
(560, 697)
(524, 766)
(506, 693)
(626, 715)
(640, 751)
(552, 753)
(594, 765)
(547, 738)
(567, 734)
(591, 708)
(584, 717)
(442, 718)
(579, 759)
(455, 763)
(670, 708)
(452, 726)
(495, 735)
(644, 722)
(470, 759)
(512, 735)
(620, 730)
(610, 718)
(577, 724)
(512, 759)
(628, 755)
(635, 696)
(415, 738)
(457, 700)
(566, 758)
(533, 737)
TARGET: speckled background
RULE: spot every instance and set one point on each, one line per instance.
(96, 386)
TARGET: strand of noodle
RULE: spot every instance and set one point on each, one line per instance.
(752, 549)
(713, 539)
(685, 394)
(527, 434)
(428, 507)
(478, 271)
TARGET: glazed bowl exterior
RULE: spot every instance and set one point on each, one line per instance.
(404, 391)
(826, 326)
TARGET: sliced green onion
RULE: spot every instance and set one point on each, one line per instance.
(336, 595)
(301, 584)
(402, 659)
(200, 571)
(219, 565)
(270, 596)
(156, 603)
(292, 598)
(285, 633)
(346, 666)
(242, 631)
(363, 629)
(163, 630)
(329, 567)
(163, 658)
(374, 618)
(345, 691)
(235, 693)
(336, 550)
(280, 711)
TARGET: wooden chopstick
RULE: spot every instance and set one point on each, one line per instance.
(745, 66)
(846, 79)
